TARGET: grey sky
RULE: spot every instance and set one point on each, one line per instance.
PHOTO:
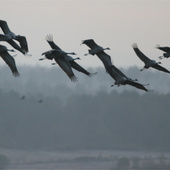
(111, 23)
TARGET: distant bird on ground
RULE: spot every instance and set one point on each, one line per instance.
(58, 55)
(70, 59)
(9, 37)
(166, 50)
(40, 101)
(121, 79)
(148, 62)
(22, 98)
(9, 60)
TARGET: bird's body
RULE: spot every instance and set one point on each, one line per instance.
(62, 62)
(121, 79)
(70, 59)
(164, 49)
(9, 60)
(94, 48)
(148, 62)
(9, 37)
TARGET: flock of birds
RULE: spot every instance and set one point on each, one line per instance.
(67, 62)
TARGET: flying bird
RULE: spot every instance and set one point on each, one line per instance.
(99, 51)
(9, 59)
(94, 48)
(9, 37)
(148, 62)
(71, 60)
(121, 79)
(166, 50)
(58, 56)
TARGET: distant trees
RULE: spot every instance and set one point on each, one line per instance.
(4, 161)
(102, 121)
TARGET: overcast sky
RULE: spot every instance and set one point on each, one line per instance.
(111, 23)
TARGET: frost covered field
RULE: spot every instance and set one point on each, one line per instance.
(97, 159)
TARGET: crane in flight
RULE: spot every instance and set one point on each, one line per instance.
(9, 37)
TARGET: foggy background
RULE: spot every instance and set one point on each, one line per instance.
(88, 114)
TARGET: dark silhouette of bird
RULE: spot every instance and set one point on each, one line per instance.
(166, 50)
(22, 98)
(9, 37)
(99, 51)
(148, 62)
(40, 101)
(71, 60)
(58, 56)
(121, 79)
(94, 48)
(9, 60)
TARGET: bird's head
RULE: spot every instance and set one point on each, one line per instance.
(17, 37)
(72, 53)
(166, 55)
(159, 62)
(11, 50)
(107, 48)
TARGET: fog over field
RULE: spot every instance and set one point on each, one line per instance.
(42, 111)
(89, 114)
(52, 81)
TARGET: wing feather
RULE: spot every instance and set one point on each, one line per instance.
(10, 62)
(4, 27)
(49, 39)
(137, 85)
(143, 57)
(158, 67)
(90, 43)
(23, 43)
(165, 49)
(65, 66)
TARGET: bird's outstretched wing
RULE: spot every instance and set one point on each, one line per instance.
(10, 62)
(158, 67)
(105, 58)
(143, 57)
(49, 39)
(90, 43)
(137, 85)
(16, 46)
(4, 37)
(118, 71)
(65, 66)
(165, 49)
(4, 27)
(23, 43)
(79, 68)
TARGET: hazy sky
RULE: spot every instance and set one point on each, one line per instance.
(111, 23)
